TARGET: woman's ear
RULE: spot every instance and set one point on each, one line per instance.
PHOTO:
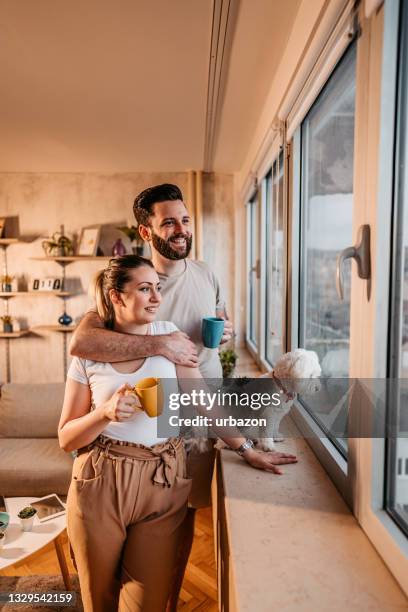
(145, 232)
(115, 297)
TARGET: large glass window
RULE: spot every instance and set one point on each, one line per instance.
(327, 151)
(397, 481)
(253, 270)
(274, 247)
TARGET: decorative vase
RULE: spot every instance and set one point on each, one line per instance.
(6, 287)
(118, 248)
(7, 328)
(65, 319)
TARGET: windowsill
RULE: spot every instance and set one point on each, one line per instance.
(294, 544)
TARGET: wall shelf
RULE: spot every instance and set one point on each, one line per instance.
(55, 328)
(17, 334)
(71, 258)
(10, 294)
(5, 242)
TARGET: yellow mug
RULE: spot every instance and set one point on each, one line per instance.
(150, 393)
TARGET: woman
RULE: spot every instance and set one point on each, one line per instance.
(129, 490)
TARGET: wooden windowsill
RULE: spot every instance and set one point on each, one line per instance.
(294, 544)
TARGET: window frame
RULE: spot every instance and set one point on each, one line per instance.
(257, 350)
(383, 531)
(253, 200)
(327, 453)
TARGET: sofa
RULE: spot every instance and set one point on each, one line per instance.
(31, 461)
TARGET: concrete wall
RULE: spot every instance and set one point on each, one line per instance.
(45, 201)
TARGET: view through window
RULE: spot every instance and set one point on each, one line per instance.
(327, 137)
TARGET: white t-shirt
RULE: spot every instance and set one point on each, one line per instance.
(104, 380)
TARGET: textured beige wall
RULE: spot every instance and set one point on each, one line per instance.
(45, 201)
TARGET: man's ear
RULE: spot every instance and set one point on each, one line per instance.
(145, 232)
(115, 297)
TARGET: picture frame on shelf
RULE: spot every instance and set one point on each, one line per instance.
(88, 241)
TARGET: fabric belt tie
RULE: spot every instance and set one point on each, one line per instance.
(166, 453)
(165, 473)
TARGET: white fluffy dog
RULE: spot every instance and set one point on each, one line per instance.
(293, 373)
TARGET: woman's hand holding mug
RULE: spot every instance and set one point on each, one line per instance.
(123, 405)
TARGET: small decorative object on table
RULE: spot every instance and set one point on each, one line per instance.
(58, 245)
(118, 248)
(26, 516)
(7, 324)
(6, 283)
(132, 233)
(65, 319)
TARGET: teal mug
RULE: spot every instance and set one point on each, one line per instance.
(212, 331)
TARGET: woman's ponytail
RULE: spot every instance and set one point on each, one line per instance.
(104, 305)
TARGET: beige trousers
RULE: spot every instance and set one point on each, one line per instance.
(125, 509)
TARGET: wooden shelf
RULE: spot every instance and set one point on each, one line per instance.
(55, 328)
(5, 242)
(9, 294)
(17, 334)
(71, 258)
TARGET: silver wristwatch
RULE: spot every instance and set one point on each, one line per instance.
(247, 444)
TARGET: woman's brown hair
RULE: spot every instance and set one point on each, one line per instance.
(115, 276)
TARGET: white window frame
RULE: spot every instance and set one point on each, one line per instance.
(369, 454)
(251, 346)
(275, 146)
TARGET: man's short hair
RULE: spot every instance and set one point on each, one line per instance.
(142, 207)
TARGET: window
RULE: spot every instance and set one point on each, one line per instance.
(253, 271)
(397, 479)
(326, 209)
(274, 251)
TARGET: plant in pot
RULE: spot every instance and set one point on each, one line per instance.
(7, 324)
(132, 233)
(26, 516)
(58, 245)
(6, 283)
(228, 358)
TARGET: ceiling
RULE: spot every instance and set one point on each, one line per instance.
(122, 86)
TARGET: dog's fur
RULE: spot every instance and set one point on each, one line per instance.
(296, 369)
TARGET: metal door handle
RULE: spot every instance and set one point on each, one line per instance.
(361, 253)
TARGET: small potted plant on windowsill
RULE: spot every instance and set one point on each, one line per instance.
(26, 516)
(228, 358)
(133, 234)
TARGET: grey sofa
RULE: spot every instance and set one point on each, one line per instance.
(31, 461)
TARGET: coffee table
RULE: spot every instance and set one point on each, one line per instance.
(21, 544)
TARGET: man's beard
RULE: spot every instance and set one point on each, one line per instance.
(165, 249)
